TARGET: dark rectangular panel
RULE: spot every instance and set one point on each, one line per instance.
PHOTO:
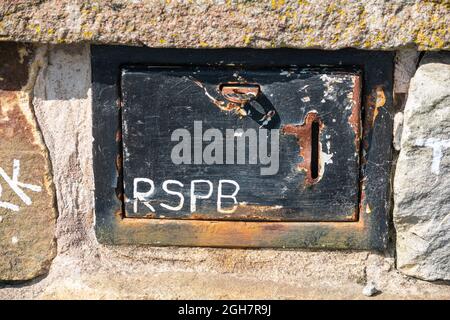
(315, 112)
(368, 231)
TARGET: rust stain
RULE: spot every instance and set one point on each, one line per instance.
(239, 93)
(236, 232)
(119, 162)
(236, 94)
(355, 117)
(380, 102)
(250, 213)
(375, 101)
(244, 211)
(200, 228)
(242, 231)
(21, 141)
(354, 121)
(118, 135)
(304, 140)
(13, 122)
(218, 103)
(362, 202)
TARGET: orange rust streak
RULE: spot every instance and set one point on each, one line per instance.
(242, 227)
(376, 100)
(238, 92)
(355, 118)
(304, 139)
(13, 122)
(248, 212)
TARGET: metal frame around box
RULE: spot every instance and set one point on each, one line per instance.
(369, 232)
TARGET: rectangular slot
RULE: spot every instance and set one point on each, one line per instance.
(315, 131)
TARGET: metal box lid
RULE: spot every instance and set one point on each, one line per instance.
(291, 153)
(333, 114)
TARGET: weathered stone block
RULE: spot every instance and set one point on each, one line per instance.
(422, 178)
(326, 24)
(27, 212)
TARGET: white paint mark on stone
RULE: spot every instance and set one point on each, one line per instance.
(7, 205)
(17, 187)
(438, 146)
(306, 99)
(14, 240)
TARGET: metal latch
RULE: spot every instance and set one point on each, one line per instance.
(239, 93)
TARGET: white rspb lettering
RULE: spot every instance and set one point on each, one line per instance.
(17, 187)
(144, 189)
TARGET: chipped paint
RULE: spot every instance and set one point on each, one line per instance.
(306, 99)
(330, 91)
(326, 158)
(355, 117)
(375, 101)
(222, 105)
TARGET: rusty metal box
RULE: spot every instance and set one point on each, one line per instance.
(242, 148)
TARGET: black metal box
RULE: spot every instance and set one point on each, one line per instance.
(242, 148)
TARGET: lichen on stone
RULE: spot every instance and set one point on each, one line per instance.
(325, 24)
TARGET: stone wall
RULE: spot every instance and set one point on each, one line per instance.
(27, 213)
(326, 24)
(48, 247)
(422, 212)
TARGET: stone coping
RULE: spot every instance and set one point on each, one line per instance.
(323, 24)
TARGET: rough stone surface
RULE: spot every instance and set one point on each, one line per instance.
(85, 269)
(405, 67)
(27, 213)
(397, 131)
(422, 178)
(327, 24)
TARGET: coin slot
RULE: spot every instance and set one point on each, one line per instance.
(315, 131)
